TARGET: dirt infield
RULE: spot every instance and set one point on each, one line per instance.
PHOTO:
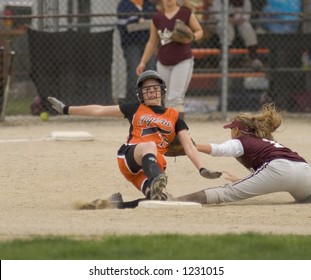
(41, 179)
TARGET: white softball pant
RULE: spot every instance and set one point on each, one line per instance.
(279, 175)
(177, 78)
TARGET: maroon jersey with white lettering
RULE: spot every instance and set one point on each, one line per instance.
(258, 151)
(170, 52)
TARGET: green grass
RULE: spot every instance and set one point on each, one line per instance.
(19, 106)
(248, 246)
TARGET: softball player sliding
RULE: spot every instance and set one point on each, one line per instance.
(152, 129)
(274, 167)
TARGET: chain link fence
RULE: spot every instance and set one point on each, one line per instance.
(72, 50)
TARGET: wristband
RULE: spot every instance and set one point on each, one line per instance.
(65, 110)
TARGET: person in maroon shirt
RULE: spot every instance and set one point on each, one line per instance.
(274, 167)
(174, 59)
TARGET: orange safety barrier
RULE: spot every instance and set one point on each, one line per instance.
(200, 53)
(202, 81)
(230, 75)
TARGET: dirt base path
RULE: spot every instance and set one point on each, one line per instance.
(41, 179)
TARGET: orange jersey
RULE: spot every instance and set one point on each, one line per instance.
(149, 126)
(157, 126)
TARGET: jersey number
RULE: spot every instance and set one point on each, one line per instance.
(159, 131)
(275, 144)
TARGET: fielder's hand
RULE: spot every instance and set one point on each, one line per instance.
(57, 105)
(209, 174)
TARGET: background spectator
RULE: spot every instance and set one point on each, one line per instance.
(288, 23)
(134, 32)
(239, 19)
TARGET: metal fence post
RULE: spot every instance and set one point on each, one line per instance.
(224, 59)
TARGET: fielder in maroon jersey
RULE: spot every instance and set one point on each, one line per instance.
(274, 168)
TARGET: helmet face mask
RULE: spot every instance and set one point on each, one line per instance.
(149, 74)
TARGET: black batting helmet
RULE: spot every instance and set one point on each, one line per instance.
(149, 74)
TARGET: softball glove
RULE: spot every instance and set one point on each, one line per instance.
(176, 149)
(182, 33)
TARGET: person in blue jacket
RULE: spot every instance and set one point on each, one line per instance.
(133, 25)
